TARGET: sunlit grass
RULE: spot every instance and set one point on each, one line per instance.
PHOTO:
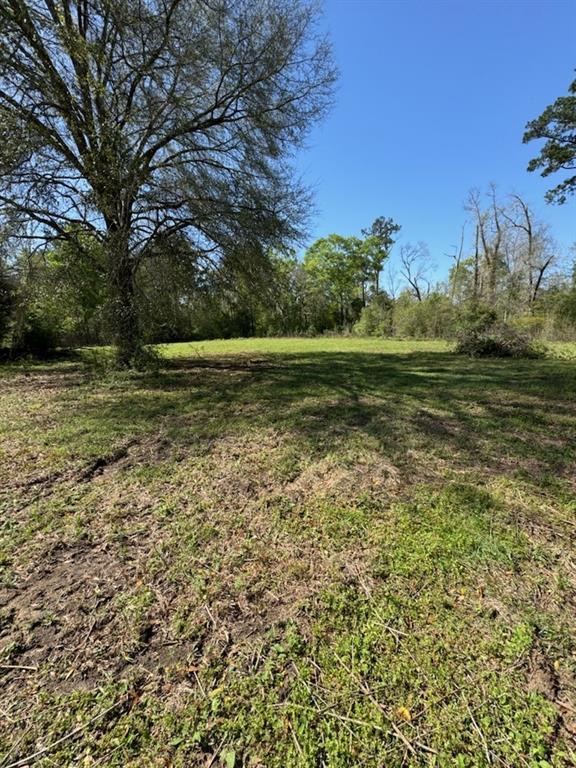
(290, 552)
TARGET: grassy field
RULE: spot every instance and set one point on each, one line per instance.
(275, 553)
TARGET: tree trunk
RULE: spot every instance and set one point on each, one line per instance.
(476, 267)
(492, 278)
(123, 314)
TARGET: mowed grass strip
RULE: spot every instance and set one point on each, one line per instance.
(285, 552)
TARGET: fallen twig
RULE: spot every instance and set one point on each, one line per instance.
(25, 761)
(366, 690)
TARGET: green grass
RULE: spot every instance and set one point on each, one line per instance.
(290, 552)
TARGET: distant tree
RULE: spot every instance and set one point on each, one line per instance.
(490, 240)
(457, 257)
(557, 126)
(286, 297)
(133, 121)
(416, 266)
(461, 281)
(6, 300)
(532, 253)
(336, 263)
(432, 317)
(378, 242)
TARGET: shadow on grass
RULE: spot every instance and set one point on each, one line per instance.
(498, 414)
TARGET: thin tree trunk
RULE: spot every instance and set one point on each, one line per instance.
(536, 286)
(476, 267)
(457, 260)
(492, 278)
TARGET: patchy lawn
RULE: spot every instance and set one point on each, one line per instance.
(282, 553)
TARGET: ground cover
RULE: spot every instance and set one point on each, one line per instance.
(289, 552)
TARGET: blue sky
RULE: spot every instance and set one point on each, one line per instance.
(432, 100)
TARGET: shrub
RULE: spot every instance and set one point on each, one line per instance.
(36, 335)
(375, 318)
(431, 318)
(531, 325)
(485, 336)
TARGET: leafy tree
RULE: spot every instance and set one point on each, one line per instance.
(461, 281)
(557, 125)
(285, 309)
(37, 320)
(336, 264)
(134, 121)
(75, 285)
(378, 242)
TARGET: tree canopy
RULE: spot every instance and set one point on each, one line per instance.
(557, 126)
(134, 122)
(378, 241)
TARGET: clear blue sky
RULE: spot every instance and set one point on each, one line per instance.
(432, 100)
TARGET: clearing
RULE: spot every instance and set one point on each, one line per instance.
(326, 552)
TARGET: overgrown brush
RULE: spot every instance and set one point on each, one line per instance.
(484, 335)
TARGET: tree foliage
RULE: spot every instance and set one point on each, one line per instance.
(378, 242)
(557, 127)
(336, 265)
(135, 122)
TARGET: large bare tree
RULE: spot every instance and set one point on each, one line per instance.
(532, 253)
(416, 267)
(141, 122)
(490, 235)
(513, 253)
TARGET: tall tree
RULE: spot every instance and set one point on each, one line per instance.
(337, 263)
(135, 121)
(490, 235)
(557, 126)
(532, 254)
(378, 242)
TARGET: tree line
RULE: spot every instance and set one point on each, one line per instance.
(147, 191)
(373, 284)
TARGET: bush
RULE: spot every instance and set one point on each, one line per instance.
(37, 335)
(375, 318)
(533, 326)
(486, 336)
(432, 318)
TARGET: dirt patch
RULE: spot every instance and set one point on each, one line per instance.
(101, 463)
(542, 677)
(558, 686)
(58, 613)
(75, 618)
(64, 627)
(33, 382)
